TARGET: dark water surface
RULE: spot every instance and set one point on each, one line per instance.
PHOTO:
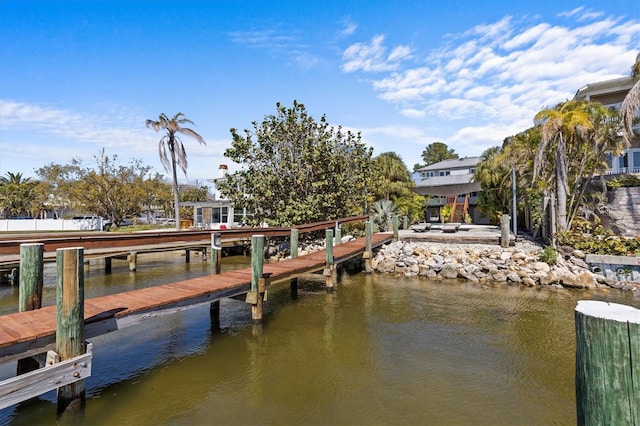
(379, 350)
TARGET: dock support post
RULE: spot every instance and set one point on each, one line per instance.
(330, 270)
(338, 234)
(257, 280)
(107, 265)
(70, 323)
(133, 261)
(215, 267)
(405, 223)
(368, 252)
(395, 228)
(504, 231)
(607, 363)
(293, 248)
(30, 291)
(187, 256)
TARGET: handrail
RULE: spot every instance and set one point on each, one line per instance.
(99, 240)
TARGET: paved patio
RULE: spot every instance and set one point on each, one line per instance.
(466, 234)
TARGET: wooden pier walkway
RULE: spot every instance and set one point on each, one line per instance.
(32, 332)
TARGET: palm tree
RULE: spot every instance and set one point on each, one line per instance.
(172, 143)
(565, 124)
(631, 104)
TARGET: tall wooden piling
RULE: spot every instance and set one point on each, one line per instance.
(504, 231)
(337, 239)
(70, 322)
(330, 270)
(368, 252)
(31, 276)
(215, 267)
(293, 248)
(133, 261)
(607, 363)
(30, 295)
(256, 295)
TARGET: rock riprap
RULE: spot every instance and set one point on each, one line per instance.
(518, 264)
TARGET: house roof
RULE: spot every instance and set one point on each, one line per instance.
(620, 84)
(456, 163)
(447, 185)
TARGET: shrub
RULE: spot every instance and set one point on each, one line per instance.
(625, 181)
(594, 239)
(549, 255)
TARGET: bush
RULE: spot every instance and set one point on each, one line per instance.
(625, 181)
(549, 255)
(594, 239)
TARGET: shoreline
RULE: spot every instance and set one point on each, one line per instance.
(517, 264)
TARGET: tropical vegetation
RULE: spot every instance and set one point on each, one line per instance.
(172, 151)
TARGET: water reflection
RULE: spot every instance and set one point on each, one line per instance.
(378, 350)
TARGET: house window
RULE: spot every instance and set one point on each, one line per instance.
(445, 173)
(623, 161)
(636, 161)
(220, 215)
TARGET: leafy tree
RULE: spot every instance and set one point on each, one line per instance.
(111, 190)
(297, 170)
(631, 104)
(392, 180)
(492, 172)
(20, 196)
(176, 153)
(435, 152)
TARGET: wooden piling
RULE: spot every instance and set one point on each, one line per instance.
(330, 270)
(133, 261)
(70, 322)
(31, 278)
(107, 265)
(395, 228)
(215, 267)
(293, 248)
(255, 296)
(607, 363)
(337, 239)
(187, 256)
(368, 252)
(504, 231)
(30, 292)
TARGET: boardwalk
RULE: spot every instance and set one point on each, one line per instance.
(31, 332)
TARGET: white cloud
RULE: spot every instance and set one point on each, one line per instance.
(496, 76)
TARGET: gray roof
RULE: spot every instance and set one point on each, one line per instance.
(447, 185)
(456, 163)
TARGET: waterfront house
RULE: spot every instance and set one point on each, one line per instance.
(611, 93)
(450, 183)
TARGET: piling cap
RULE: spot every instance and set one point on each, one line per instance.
(609, 311)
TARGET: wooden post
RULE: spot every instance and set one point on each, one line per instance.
(504, 231)
(607, 363)
(330, 270)
(187, 256)
(215, 267)
(293, 248)
(405, 223)
(368, 252)
(30, 296)
(31, 276)
(257, 281)
(107, 265)
(395, 228)
(338, 235)
(133, 261)
(70, 322)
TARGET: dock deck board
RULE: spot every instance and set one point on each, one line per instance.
(37, 328)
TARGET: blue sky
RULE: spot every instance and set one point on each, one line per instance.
(79, 76)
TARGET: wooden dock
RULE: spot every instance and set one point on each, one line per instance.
(33, 332)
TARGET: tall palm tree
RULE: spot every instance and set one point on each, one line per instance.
(562, 125)
(176, 153)
(631, 104)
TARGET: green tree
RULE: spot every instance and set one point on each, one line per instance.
(435, 152)
(297, 170)
(492, 172)
(172, 143)
(111, 190)
(391, 180)
(19, 196)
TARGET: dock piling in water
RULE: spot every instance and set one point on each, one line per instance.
(293, 248)
(330, 270)
(607, 363)
(255, 296)
(30, 291)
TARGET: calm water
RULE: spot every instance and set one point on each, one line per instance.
(379, 350)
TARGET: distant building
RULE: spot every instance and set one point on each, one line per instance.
(611, 93)
(450, 183)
